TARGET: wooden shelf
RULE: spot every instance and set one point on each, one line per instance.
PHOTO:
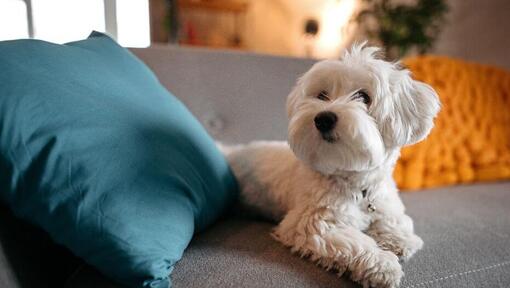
(214, 5)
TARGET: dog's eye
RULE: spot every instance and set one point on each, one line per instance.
(363, 96)
(323, 95)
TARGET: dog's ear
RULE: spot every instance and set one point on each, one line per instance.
(409, 117)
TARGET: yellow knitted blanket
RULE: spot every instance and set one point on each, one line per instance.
(471, 138)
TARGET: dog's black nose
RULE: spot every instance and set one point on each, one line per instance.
(325, 121)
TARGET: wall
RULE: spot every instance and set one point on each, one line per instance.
(277, 27)
(478, 31)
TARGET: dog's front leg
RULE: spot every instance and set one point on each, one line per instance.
(315, 233)
(395, 233)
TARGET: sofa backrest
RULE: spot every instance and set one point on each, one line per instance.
(238, 96)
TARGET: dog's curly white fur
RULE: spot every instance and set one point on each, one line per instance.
(331, 186)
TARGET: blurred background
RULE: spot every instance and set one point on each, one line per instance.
(468, 29)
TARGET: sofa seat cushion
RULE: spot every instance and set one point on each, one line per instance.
(465, 229)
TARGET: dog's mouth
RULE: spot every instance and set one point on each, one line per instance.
(329, 137)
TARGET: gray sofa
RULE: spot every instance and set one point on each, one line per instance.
(240, 97)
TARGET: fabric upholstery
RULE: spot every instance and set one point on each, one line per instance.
(471, 139)
(465, 229)
(238, 97)
(249, 95)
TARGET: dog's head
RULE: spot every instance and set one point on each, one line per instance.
(347, 115)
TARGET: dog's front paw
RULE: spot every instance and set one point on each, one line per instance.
(404, 246)
(386, 273)
(380, 271)
(408, 246)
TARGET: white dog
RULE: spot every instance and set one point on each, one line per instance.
(331, 186)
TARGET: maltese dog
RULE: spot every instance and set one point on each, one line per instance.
(330, 187)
